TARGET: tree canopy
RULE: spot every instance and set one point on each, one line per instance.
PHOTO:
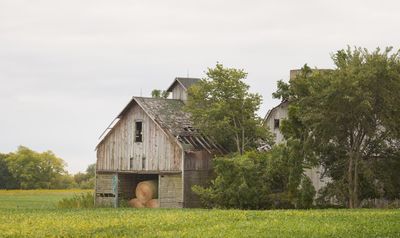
(34, 170)
(348, 120)
(223, 109)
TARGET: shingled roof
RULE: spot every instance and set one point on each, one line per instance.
(168, 113)
(185, 82)
(171, 117)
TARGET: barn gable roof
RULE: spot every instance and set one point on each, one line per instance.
(170, 116)
(186, 83)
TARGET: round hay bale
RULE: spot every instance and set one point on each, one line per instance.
(153, 203)
(136, 203)
(147, 190)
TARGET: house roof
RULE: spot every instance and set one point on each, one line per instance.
(170, 116)
(185, 82)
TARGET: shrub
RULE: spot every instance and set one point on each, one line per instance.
(259, 180)
(241, 183)
(83, 200)
(306, 193)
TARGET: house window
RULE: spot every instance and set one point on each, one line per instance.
(276, 123)
(139, 131)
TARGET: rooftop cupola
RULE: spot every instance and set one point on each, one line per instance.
(180, 87)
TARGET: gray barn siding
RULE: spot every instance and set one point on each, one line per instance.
(171, 191)
(104, 186)
(116, 150)
(104, 182)
(197, 171)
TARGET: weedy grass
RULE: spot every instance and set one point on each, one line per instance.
(129, 222)
(82, 200)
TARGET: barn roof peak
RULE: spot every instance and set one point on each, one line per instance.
(186, 83)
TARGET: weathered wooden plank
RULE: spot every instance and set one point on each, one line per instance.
(103, 183)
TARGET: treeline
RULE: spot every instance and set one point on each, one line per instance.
(345, 120)
(28, 169)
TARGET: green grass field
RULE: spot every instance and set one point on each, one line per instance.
(35, 199)
(41, 220)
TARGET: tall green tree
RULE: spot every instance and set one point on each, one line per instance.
(347, 118)
(7, 181)
(223, 108)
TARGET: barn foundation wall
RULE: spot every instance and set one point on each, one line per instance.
(170, 191)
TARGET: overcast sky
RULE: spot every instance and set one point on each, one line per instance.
(67, 68)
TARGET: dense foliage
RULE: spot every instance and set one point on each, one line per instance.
(348, 120)
(257, 181)
(223, 109)
(241, 182)
(28, 169)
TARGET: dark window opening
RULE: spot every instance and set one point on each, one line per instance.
(105, 195)
(138, 131)
(131, 163)
(143, 162)
(276, 123)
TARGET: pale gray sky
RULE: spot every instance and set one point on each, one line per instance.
(68, 67)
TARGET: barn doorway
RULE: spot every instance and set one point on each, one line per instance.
(128, 183)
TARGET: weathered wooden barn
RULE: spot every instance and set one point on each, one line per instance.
(153, 138)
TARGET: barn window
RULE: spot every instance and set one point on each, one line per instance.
(139, 131)
(276, 123)
(131, 163)
(143, 162)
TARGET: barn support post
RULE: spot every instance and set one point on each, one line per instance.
(115, 185)
(95, 188)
